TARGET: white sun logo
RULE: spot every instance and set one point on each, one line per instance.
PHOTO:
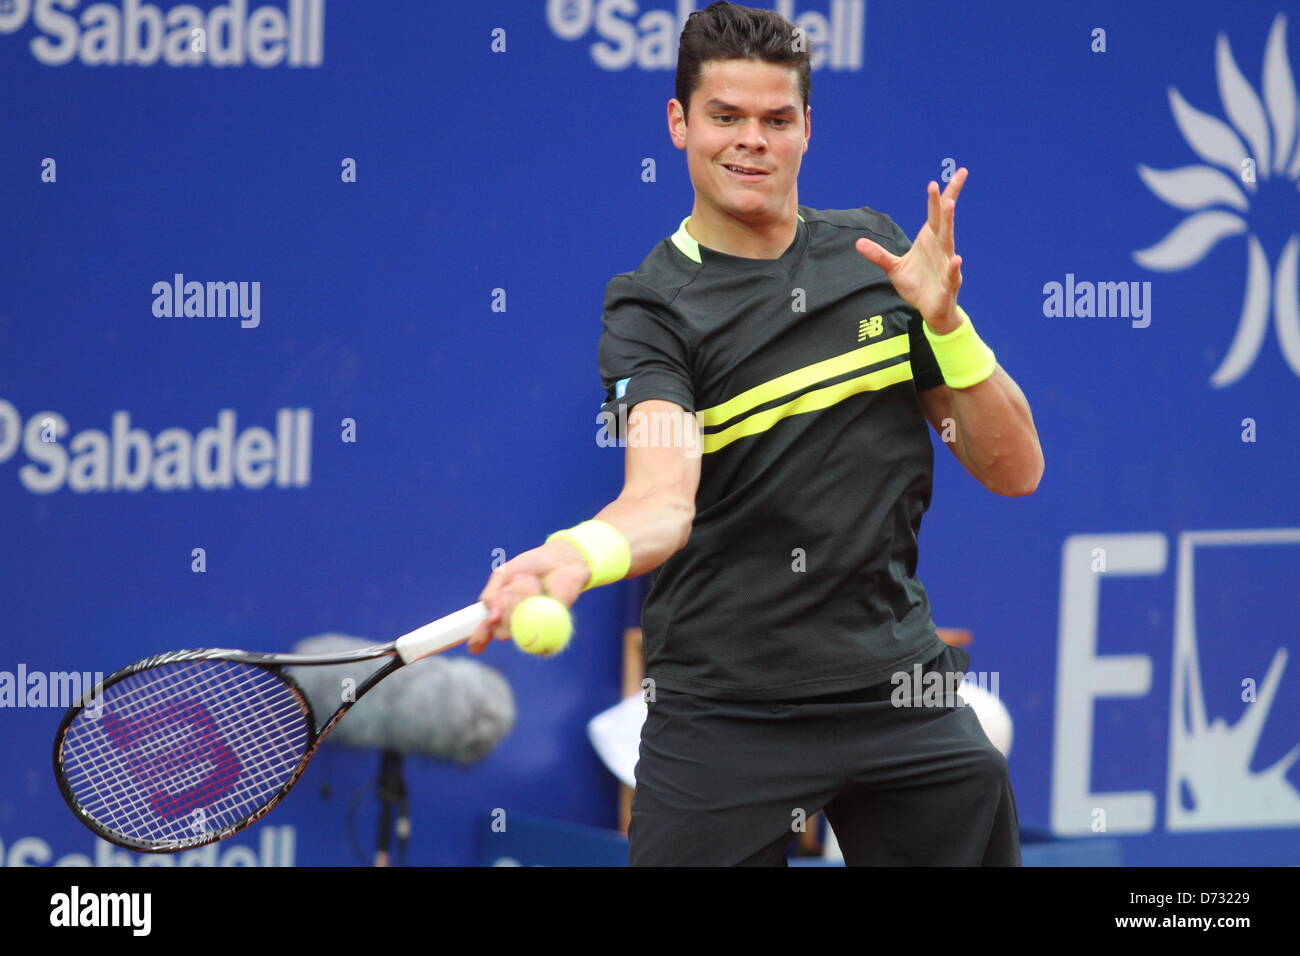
(1270, 129)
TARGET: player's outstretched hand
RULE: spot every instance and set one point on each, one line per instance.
(928, 276)
(557, 569)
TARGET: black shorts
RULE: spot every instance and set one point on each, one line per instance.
(727, 783)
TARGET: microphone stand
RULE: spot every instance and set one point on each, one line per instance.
(392, 795)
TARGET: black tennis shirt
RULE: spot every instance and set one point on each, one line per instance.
(799, 577)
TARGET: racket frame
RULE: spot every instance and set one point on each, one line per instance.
(436, 636)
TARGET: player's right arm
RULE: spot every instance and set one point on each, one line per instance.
(654, 511)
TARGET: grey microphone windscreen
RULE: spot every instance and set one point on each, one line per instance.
(448, 707)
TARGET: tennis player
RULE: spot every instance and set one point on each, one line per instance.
(776, 366)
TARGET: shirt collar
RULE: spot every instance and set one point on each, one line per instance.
(686, 243)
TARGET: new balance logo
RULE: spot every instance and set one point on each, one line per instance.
(870, 328)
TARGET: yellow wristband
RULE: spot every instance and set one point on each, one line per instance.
(605, 548)
(963, 357)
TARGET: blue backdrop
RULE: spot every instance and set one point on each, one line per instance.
(430, 198)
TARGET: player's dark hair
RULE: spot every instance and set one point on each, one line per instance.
(724, 31)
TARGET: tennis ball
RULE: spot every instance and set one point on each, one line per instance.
(541, 625)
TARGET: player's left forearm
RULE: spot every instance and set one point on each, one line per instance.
(999, 440)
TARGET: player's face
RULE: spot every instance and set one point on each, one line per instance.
(744, 113)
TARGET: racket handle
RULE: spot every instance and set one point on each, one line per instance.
(441, 634)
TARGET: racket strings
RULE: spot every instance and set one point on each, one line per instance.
(174, 756)
(184, 749)
(154, 759)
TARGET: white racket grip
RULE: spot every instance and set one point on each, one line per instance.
(441, 634)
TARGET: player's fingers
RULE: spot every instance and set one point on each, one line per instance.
(932, 207)
(481, 634)
(478, 637)
(525, 565)
(495, 582)
(499, 610)
(490, 597)
(876, 253)
(953, 189)
(519, 587)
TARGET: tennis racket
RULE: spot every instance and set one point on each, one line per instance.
(187, 748)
